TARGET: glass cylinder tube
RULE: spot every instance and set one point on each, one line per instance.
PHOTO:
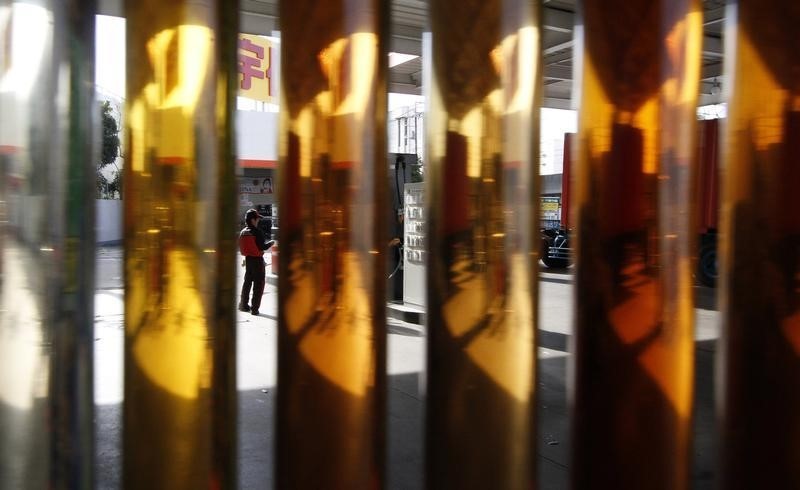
(225, 398)
(482, 183)
(47, 181)
(759, 356)
(632, 355)
(178, 424)
(331, 313)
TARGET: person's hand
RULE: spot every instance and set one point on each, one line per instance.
(395, 242)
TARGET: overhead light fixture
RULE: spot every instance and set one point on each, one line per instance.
(400, 58)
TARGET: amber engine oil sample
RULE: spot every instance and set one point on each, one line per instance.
(482, 181)
(631, 369)
(331, 292)
(178, 425)
(759, 351)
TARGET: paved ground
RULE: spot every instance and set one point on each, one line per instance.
(256, 367)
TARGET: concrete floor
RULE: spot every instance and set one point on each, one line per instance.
(257, 374)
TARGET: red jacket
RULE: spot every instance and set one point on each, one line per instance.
(252, 242)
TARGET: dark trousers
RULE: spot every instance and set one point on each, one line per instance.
(255, 276)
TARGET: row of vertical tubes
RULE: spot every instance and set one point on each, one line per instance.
(637, 68)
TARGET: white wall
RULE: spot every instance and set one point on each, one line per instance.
(108, 221)
(257, 135)
(554, 123)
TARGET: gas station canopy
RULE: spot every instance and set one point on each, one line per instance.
(409, 21)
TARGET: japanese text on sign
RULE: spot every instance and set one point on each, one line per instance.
(255, 68)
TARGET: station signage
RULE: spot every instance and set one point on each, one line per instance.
(255, 54)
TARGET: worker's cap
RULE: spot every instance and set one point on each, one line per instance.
(252, 213)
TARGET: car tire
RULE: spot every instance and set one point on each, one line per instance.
(707, 269)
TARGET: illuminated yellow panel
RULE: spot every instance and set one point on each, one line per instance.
(256, 73)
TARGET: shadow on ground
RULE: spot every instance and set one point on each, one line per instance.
(405, 425)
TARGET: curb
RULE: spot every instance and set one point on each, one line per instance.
(406, 313)
(402, 312)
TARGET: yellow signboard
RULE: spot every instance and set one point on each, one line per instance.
(255, 68)
(551, 208)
